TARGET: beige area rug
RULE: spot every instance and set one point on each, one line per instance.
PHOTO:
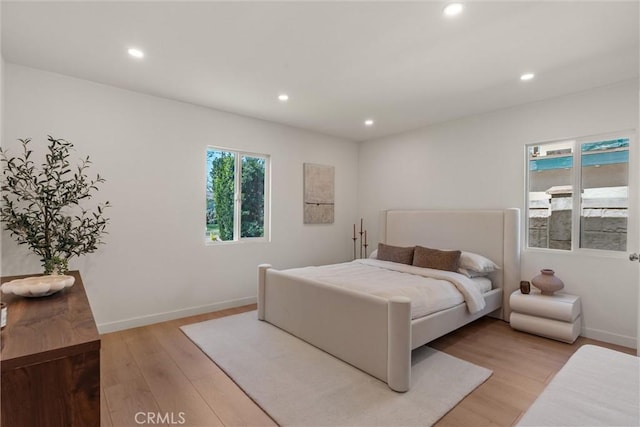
(300, 385)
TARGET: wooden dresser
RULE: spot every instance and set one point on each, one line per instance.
(50, 360)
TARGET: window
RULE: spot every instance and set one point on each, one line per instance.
(237, 195)
(578, 194)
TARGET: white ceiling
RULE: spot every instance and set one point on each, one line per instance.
(400, 63)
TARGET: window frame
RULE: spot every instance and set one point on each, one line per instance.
(237, 196)
(576, 211)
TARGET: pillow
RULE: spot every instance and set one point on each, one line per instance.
(473, 265)
(471, 274)
(374, 254)
(395, 254)
(435, 258)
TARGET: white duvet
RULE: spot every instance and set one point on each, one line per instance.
(429, 290)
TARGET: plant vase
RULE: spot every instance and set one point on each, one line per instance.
(547, 282)
(48, 208)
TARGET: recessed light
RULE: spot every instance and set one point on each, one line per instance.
(283, 97)
(136, 53)
(527, 76)
(368, 122)
(453, 9)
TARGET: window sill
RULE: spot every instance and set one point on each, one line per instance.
(234, 242)
(588, 253)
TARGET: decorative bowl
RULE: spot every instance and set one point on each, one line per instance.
(38, 286)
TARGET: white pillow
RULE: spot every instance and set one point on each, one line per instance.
(374, 254)
(474, 265)
(471, 274)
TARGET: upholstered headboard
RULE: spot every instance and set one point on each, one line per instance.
(494, 234)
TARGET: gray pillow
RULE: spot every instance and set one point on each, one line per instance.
(395, 254)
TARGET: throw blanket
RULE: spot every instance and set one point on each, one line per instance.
(429, 290)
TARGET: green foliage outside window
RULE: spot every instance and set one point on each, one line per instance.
(221, 195)
(252, 220)
(222, 175)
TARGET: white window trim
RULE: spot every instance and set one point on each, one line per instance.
(238, 199)
(633, 177)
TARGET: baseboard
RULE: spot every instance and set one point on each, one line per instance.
(609, 337)
(135, 322)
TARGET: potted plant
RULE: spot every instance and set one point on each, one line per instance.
(41, 205)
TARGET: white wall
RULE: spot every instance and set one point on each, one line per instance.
(155, 264)
(478, 162)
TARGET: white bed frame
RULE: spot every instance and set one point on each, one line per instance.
(377, 335)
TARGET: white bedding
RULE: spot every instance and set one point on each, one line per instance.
(596, 387)
(430, 290)
(483, 284)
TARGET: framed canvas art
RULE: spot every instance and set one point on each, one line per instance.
(319, 193)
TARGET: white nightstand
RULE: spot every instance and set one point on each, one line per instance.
(554, 316)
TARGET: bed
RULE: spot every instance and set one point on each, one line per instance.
(596, 387)
(377, 334)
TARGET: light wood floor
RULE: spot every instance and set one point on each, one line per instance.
(157, 370)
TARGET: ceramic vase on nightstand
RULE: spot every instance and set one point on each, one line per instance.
(547, 282)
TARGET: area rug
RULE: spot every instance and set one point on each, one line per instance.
(299, 385)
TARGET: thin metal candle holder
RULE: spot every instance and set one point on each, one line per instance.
(362, 236)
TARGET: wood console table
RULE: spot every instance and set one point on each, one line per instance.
(50, 360)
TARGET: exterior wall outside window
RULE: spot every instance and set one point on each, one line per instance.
(600, 167)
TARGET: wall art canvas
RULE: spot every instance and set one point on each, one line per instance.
(319, 193)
